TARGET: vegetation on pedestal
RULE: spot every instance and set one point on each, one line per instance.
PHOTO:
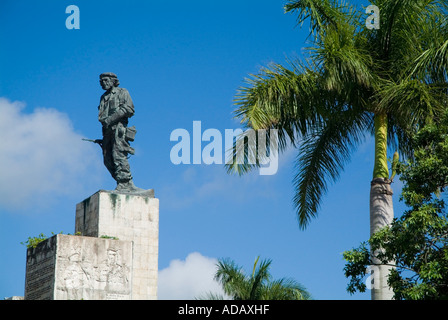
(32, 242)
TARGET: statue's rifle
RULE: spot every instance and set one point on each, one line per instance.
(97, 141)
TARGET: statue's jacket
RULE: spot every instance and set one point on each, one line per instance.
(114, 111)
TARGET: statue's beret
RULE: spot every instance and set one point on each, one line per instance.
(108, 75)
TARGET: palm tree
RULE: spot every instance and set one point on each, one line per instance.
(258, 286)
(355, 81)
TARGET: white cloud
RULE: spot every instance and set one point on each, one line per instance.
(188, 279)
(41, 157)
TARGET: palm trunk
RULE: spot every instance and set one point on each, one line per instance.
(381, 208)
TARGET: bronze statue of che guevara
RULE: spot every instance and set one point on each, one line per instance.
(114, 111)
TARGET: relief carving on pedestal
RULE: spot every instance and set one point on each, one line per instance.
(93, 272)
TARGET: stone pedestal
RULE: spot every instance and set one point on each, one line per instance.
(66, 267)
(113, 254)
(130, 218)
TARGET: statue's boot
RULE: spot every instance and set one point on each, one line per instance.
(128, 186)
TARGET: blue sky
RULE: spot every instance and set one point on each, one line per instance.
(182, 61)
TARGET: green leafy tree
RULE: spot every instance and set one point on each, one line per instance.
(258, 286)
(417, 242)
(353, 82)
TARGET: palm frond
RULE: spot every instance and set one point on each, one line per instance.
(232, 279)
(427, 100)
(342, 62)
(257, 286)
(278, 94)
(433, 63)
(321, 13)
(285, 289)
(289, 100)
(403, 24)
(211, 296)
(260, 275)
(322, 157)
